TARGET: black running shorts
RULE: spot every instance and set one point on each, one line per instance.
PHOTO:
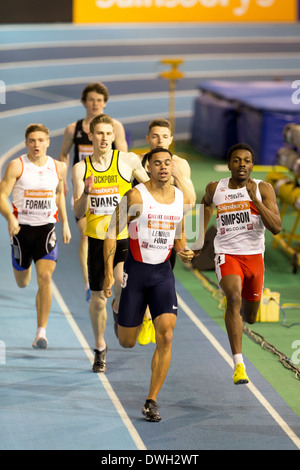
(96, 260)
(32, 244)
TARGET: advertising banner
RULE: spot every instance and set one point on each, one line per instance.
(131, 11)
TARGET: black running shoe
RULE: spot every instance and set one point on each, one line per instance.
(150, 411)
(100, 361)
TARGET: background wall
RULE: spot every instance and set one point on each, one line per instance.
(35, 11)
(105, 11)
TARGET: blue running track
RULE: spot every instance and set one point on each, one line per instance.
(51, 399)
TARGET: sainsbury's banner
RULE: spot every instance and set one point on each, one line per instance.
(131, 11)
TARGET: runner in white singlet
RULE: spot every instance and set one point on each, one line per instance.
(154, 215)
(245, 208)
(36, 183)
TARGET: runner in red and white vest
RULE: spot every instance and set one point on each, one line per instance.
(245, 208)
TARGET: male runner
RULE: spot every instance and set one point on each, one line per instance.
(36, 183)
(154, 214)
(160, 135)
(100, 181)
(94, 98)
(245, 208)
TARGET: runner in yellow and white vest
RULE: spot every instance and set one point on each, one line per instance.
(99, 183)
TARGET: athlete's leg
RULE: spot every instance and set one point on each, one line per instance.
(44, 270)
(98, 315)
(117, 288)
(164, 325)
(249, 311)
(128, 335)
(22, 277)
(232, 287)
(83, 250)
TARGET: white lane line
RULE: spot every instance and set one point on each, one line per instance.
(279, 420)
(148, 58)
(149, 41)
(113, 99)
(204, 74)
(102, 377)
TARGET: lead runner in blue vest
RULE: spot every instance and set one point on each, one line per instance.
(100, 181)
(154, 213)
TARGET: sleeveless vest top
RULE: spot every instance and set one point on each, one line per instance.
(152, 234)
(34, 194)
(109, 187)
(240, 230)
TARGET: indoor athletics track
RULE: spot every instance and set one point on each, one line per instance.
(51, 399)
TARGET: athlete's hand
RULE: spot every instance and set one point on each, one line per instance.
(66, 232)
(186, 255)
(88, 184)
(107, 286)
(13, 226)
(251, 188)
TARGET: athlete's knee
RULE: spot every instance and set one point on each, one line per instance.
(127, 337)
(249, 311)
(98, 300)
(250, 317)
(22, 283)
(234, 300)
(164, 338)
(22, 278)
(127, 343)
(45, 277)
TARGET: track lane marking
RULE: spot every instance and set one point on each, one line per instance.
(102, 377)
(258, 395)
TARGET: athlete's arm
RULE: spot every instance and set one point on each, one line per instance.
(207, 202)
(120, 136)
(61, 202)
(182, 179)
(127, 210)
(81, 189)
(67, 144)
(12, 173)
(267, 208)
(130, 165)
(205, 213)
(180, 242)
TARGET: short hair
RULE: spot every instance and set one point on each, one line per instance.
(161, 122)
(36, 128)
(98, 87)
(157, 150)
(101, 119)
(240, 146)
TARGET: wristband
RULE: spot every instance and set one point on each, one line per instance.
(85, 191)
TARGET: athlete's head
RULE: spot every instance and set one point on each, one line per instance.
(37, 140)
(159, 133)
(101, 119)
(237, 147)
(96, 87)
(36, 128)
(157, 150)
(160, 165)
(240, 162)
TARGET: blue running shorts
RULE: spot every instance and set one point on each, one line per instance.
(146, 284)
